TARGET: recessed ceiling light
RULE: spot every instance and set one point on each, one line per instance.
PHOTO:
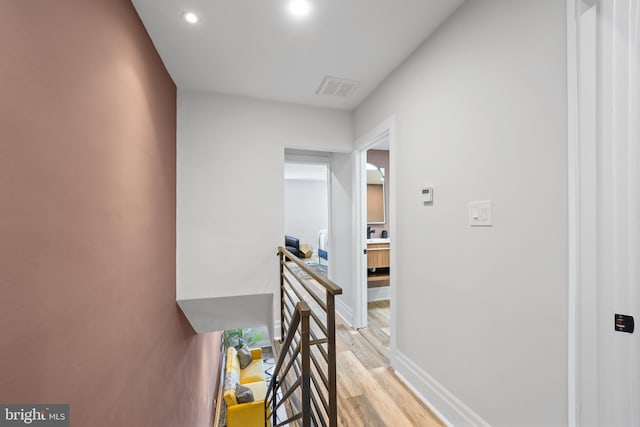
(190, 17)
(299, 7)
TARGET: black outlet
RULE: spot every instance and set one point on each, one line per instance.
(623, 323)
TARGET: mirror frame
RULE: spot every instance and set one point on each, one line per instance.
(384, 196)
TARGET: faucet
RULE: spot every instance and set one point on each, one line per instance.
(369, 231)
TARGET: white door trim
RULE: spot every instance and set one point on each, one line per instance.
(603, 242)
(572, 146)
(386, 127)
(310, 159)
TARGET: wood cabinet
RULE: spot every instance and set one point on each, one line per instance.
(377, 255)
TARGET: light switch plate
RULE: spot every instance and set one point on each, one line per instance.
(426, 194)
(480, 213)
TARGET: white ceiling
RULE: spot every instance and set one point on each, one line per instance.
(256, 48)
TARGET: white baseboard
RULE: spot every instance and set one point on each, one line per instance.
(344, 311)
(276, 330)
(378, 294)
(451, 410)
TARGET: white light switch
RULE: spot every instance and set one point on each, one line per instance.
(480, 213)
(426, 194)
(484, 213)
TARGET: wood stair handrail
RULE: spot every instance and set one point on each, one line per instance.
(320, 404)
(327, 284)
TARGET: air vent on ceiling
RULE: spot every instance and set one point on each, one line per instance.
(335, 86)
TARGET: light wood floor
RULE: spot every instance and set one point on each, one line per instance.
(369, 393)
(378, 331)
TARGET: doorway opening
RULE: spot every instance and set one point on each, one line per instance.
(378, 328)
(375, 267)
(307, 206)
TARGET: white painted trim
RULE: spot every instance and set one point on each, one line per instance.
(324, 161)
(372, 136)
(359, 240)
(393, 246)
(219, 393)
(308, 160)
(344, 311)
(573, 156)
(330, 218)
(451, 410)
(378, 294)
(316, 149)
(276, 330)
(386, 128)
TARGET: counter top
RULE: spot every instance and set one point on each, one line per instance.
(379, 240)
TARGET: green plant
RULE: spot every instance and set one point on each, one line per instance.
(250, 337)
(232, 338)
(238, 337)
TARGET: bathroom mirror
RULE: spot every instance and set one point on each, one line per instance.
(376, 212)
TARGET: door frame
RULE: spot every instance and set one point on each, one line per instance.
(313, 158)
(589, 330)
(572, 175)
(387, 128)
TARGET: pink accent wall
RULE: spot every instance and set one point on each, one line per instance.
(380, 158)
(87, 222)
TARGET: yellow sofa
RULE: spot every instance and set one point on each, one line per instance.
(249, 414)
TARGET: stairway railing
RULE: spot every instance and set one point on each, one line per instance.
(301, 386)
(302, 288)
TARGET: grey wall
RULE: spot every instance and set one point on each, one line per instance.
(480, 112)
(342, 251)
(306, 209)
(231, 187)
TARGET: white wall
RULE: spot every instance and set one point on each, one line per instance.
(306, 209)
(341, 248)
(480, 114)
(230, 209)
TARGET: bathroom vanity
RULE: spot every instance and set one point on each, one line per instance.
(378, 253)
